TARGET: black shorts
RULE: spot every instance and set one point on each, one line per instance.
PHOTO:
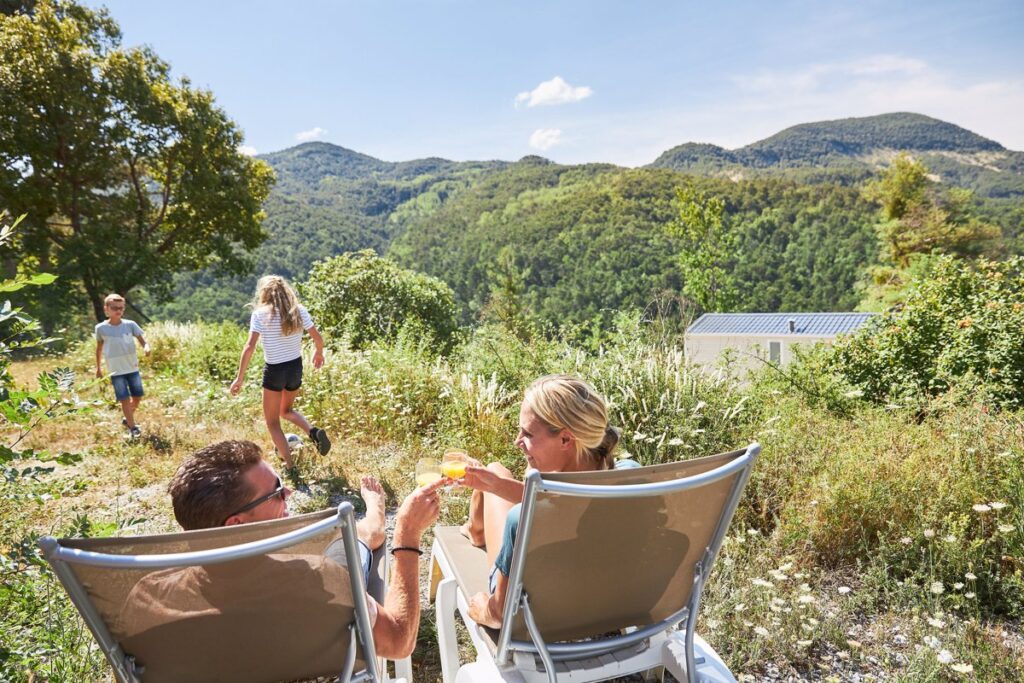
(286, 375)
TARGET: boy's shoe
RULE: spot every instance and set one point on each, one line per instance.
(124, 421)
(319, 437)
(135, 432)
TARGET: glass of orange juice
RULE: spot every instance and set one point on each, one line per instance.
(428, 470)
(453, 465)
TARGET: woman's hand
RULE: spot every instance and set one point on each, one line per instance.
(236, 386)
(479, 478)
(318, 359)
(480, 611)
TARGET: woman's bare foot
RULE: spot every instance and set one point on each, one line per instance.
(475, 536)
(371, 529)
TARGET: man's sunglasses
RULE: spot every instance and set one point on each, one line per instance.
(277, 492)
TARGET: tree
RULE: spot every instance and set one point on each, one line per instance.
(367, 298)
(127, 177)
(919, 217)
(707, 248)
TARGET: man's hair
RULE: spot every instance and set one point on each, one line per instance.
(209, 486)
(112, 298)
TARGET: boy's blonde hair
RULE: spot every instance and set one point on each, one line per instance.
(567, 402)
(274, 293)
(111, 298)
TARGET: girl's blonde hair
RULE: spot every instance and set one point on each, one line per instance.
(567, 402)
(275, 294)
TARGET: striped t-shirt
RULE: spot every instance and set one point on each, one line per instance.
(278, 348)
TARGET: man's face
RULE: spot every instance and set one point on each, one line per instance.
(262, 480)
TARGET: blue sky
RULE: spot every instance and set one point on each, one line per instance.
(582, 81)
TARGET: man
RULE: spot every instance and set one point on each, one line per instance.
(229, 483)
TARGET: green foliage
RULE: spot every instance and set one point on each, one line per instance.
(918, 217)
(959, 329)
(364, 298)
(133, 177)
(707, 247)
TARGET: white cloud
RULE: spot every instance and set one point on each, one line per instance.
(545, 138)
(555, 91)
(314, 133)
(247, 150)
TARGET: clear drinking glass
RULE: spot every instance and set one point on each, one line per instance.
(453, 465)
(428, 470)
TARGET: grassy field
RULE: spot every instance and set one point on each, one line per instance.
(871, 544)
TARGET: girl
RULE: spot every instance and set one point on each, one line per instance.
(563, 427)
(280, 318)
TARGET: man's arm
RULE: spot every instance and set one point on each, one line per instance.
(398, 619)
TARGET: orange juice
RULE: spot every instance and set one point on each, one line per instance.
(453, 469)
(427, 478)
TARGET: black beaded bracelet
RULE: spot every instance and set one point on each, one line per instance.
(406, 547)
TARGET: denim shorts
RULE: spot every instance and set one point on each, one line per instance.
(127, 386)
(286, 375)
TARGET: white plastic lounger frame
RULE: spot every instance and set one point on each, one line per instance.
(124, 666)
(677, 650)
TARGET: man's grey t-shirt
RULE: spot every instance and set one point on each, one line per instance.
(119, 346)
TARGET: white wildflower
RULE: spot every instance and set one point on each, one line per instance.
(762, 583)
(950, 539)
(932, 642)
(929, 533)
(804, 643)
(962, 668)
(806, 599)
(937, 588)
(970, 576)
(739, 607)
(945, 657)
(980, 507)
(906, 540)
(969, 596)
(762, 631)
(675, 442)
(1005, 528)
(843, 590)
(957, 586)
(937, 623)
(996, 505)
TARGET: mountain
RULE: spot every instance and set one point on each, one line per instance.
(852, 149)
(583, 240)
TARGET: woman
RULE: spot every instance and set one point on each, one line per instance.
(279, 317)
(563, 427)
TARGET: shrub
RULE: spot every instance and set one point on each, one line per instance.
(365, 298)
(961, 326)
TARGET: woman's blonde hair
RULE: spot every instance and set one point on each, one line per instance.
(567, 402)
(274, 293)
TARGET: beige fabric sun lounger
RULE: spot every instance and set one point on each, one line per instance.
(269, 601)
(606, 575)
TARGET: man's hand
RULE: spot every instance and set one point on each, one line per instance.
(236, 386)
(318, 359)
(99, 373)
(418, 511)
(480, 611)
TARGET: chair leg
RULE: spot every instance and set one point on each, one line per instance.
(445, 607)
(403, 669)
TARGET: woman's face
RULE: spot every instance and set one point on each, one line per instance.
(545, 452)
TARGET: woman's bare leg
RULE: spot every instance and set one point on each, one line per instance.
(495, 511)
(288, 413)
(272, 416)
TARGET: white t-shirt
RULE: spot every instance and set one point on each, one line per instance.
(119, 346)
(278, 348)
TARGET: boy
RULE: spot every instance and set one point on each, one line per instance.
(115, 339)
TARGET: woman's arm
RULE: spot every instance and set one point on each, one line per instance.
(488, 610)
(243, 363)
(318, 356)
(489, 481)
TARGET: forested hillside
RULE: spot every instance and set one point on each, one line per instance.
(580, 241)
